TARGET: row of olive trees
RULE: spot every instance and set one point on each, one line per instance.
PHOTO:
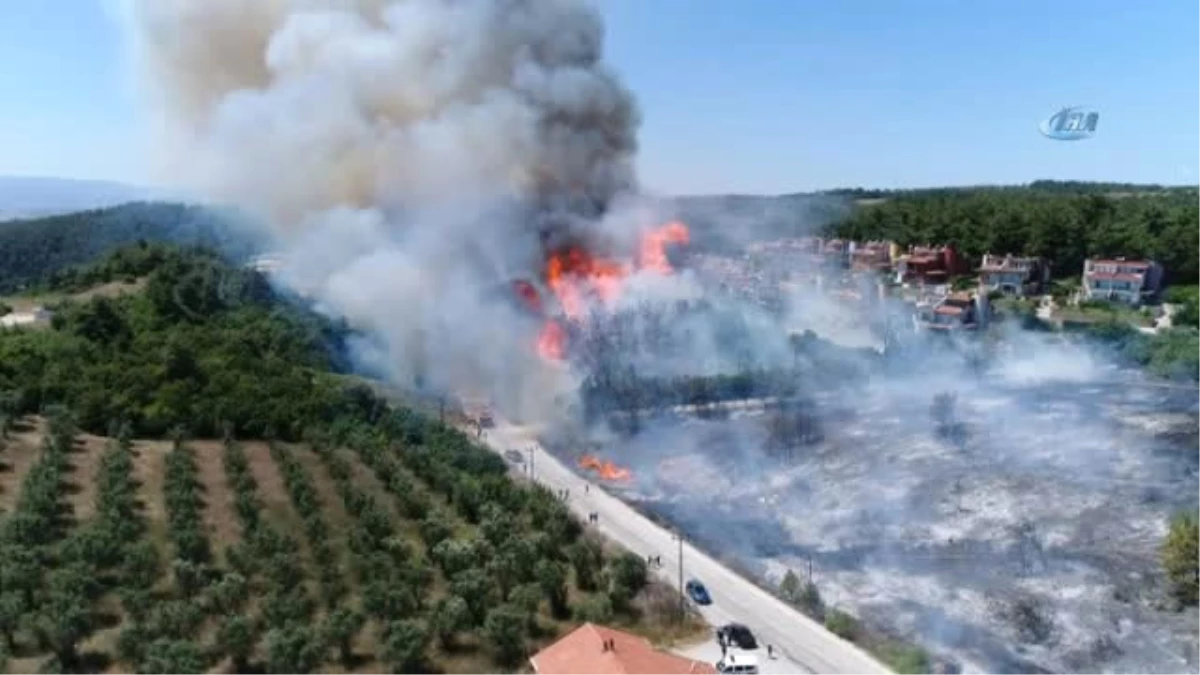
(47, 581)
(304, 498)
(391, 577)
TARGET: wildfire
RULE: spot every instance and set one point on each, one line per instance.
(605, 469)
(653, 252)
(578, 279)
(552, 341)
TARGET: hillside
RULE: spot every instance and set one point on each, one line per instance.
(188, 487)
(36, 248)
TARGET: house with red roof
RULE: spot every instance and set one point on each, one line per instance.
(1129, 281)
(599, 650)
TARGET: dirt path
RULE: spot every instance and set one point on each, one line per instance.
(85, 459)
(220, 516)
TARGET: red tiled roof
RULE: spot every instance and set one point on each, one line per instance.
(949, 310)
(582, 652)
(1115, 277)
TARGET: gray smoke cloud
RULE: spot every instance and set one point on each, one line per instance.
(406, 155)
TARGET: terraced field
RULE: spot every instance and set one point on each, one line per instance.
(222, 556)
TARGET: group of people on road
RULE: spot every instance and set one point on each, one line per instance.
(654, 560)
(594, 517)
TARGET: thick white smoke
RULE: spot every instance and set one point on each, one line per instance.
(407, 154)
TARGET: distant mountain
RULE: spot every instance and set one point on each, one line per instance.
(26, 197)
(33, 248)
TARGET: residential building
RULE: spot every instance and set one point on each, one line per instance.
(1014, 275)
(928, 264)
(599, 649)
(955, 311)
(38, 316)
(1130, 281)
(836, 253)
(871, 256)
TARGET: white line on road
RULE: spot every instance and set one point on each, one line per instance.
(796, 638)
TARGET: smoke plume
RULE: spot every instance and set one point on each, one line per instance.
(407, 154)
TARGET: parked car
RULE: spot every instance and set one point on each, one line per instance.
(741, 664)
(739, 636)
(697, 592)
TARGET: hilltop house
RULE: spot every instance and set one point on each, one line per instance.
(1014, 275)
(38, 316)
(1129, 281)
(954, 312)
(599, 649)
(928, 264)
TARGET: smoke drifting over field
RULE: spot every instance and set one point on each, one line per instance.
(408, 154)
(414, 157)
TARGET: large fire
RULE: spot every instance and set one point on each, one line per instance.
(604, 468)
(579, 280)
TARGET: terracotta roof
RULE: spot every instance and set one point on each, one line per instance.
(948, 309)
(582, 651)
(1115, 277)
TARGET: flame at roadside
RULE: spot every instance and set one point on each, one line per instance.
(605, 469)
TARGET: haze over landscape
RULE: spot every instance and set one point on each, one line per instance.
(439, 336)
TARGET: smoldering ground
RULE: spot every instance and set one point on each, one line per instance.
(1028, 539)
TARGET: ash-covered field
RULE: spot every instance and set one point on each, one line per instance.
(1026, 541)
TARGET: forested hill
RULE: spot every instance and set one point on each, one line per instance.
(1064, 227)
(328, 531)
(37, 247)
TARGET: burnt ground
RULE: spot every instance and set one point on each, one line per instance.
(1027, 542)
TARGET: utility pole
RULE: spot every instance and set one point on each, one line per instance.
(532, 475)
(682, 597)
(810, 568)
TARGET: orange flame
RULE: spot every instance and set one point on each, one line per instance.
(653, 252)
(552, 341)
(577, 279)
(574, 275)
(605, 469)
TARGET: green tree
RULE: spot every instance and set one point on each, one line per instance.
(552, 577)
(294, 648)
(627, 576)
(451, 616)
(842, 624)
(339, 628)
(236, 638)
(166, 655)
(1179, 558)
(505, 631)
(404, 645)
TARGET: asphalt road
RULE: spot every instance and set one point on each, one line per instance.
(801, 644)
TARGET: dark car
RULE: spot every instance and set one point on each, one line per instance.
(739, 636)
(697, 592)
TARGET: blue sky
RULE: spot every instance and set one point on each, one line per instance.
(753, 95)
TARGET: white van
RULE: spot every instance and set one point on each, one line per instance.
(738, 663)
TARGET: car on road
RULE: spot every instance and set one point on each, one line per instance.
(738, 635)
(697, 592)
(514, 456)
(738, 663)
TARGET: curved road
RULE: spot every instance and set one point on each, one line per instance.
(802, 645)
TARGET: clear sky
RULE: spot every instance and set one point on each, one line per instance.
(754, 95)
